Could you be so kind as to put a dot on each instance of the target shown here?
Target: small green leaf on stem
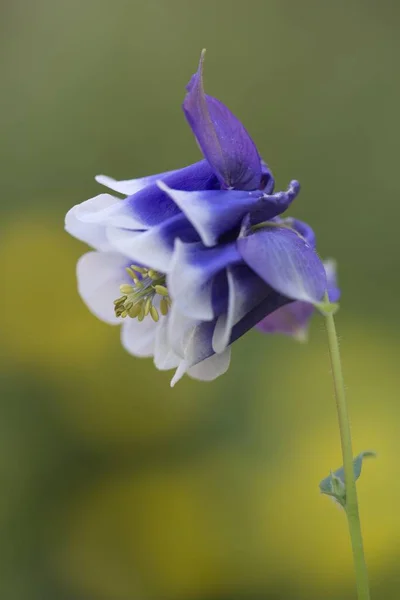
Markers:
(335, 485)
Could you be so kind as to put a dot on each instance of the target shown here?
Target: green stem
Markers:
(352, 512)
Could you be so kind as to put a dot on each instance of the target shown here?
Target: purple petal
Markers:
(267, 179)
(222, 138)
(333, 290)
(286, 262)
(302, 228)
(213, 212)
(273, 205)
(293, 319)
(192, 279)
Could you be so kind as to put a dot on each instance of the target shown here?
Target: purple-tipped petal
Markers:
(286, 262)
(222, 138)
(193, 279)
(151, 205)
(155, 246)
(213, 212)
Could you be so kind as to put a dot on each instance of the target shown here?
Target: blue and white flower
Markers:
(191, 259)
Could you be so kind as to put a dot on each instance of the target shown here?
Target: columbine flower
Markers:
(192, 259)
(293, 319)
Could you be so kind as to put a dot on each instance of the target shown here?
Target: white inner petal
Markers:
(138, 337)
(164, 356)
(99, 277)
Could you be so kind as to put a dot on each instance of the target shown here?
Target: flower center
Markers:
(137, 298)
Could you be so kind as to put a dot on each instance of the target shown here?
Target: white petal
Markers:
(179, 329)
(129, 186)
(107, 210)
(164, 356)
(99, 277)
(189, 286)
(138, 337)
(91, 233)
(179, 373)
(212, 367)
(144, 247)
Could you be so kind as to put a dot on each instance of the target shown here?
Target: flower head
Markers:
(191, 259)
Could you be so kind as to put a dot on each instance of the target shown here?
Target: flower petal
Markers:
(213, 212)
(99, 276)
(212, 367)
(272, 205)
(267, 179)
(286, 262)
(222, 138)
(164, 355)
(105, 210)
(138, 337)
(293, 319)
(151, 205)
(191, 276)
(179, 328)
(130, 186)
(154, 247)
(302, 228)
(330, 270)
(246, 291)
(196, 341)
(92, 234)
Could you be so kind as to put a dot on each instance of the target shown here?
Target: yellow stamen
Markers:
(154, 313)
(147, 305)
(164, 306)
(125, 288)
(161, 289)
(137, 298)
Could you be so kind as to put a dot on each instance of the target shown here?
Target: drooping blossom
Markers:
(191, 259)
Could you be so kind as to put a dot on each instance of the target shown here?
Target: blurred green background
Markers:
(114, 486)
